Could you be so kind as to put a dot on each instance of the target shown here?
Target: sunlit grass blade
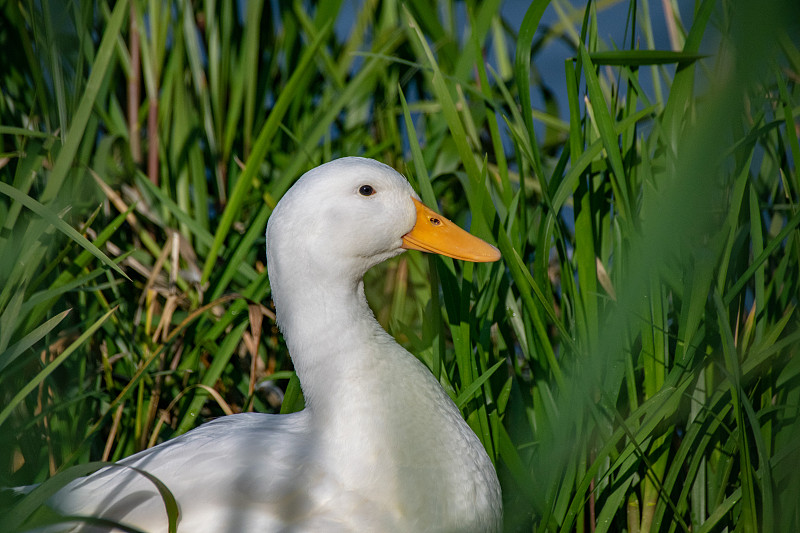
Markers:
(37, 497)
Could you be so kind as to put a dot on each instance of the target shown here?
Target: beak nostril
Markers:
(443, 237)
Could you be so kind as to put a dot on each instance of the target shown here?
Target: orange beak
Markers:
(434, 233)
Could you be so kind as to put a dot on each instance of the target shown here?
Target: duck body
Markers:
(379, 446)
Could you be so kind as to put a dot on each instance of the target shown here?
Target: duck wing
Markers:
(229, 474)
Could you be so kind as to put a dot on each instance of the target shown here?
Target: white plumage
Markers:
(379, 447)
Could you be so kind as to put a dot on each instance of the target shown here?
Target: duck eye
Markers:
(366, 190)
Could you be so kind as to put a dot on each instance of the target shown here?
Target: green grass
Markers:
(630, 365)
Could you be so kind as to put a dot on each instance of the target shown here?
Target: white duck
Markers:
(379, 447)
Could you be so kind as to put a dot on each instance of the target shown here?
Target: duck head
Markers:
(346, 216)
(343, 217)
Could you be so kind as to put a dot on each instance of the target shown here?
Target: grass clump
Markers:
(631, 364)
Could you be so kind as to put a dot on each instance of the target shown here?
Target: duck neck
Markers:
(331, 334)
